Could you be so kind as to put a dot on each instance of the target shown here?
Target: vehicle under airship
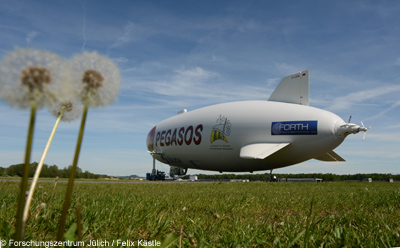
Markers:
(247, 136)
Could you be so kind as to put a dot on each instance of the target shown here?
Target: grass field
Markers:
(217, 214)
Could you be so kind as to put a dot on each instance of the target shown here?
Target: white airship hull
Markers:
(251, 135)
(245, 136)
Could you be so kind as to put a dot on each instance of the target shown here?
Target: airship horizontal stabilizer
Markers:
(260, 150)
(330, 156)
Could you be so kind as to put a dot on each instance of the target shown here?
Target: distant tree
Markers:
(78, 172)
(85, 174)
(15, 170)
(3, 172)
(32, 169)
(45, 171)
(53, 171)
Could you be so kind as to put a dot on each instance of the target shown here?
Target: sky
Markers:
(190, 54)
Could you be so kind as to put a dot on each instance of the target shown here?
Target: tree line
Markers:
(325, 177)
(47, 171)
(53, 171)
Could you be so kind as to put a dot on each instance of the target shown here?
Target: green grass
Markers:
(218, 214)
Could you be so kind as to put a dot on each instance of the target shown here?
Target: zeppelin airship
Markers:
(247, 136)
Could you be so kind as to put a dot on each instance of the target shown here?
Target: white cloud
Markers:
(132, 32)
(287, 68)
(273, 82)
(193, 76)
(121, 60)
(191, 86)
(389, 137)
(347, 101)
(194, 82)
(30, 36)
(217, 58)
(381, 113)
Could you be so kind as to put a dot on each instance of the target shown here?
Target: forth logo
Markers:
(294, 128)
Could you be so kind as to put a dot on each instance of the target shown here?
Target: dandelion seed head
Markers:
(71, 110)
(68, 106)
(31, 77)
(35, 77)
(95, 78)
(42, 205)
(92, 79)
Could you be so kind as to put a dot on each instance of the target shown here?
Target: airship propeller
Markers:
(365, 130)
(349, 128)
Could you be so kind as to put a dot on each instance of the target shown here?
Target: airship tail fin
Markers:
(293, 89)
(330, 157)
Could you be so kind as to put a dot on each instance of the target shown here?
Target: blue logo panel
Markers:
(294, 128)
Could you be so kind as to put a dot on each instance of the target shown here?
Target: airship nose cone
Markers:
(150, 140)
(340, 130)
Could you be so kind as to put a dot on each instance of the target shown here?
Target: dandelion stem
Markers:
(20, 226)
(39, 169)
(70, 186)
